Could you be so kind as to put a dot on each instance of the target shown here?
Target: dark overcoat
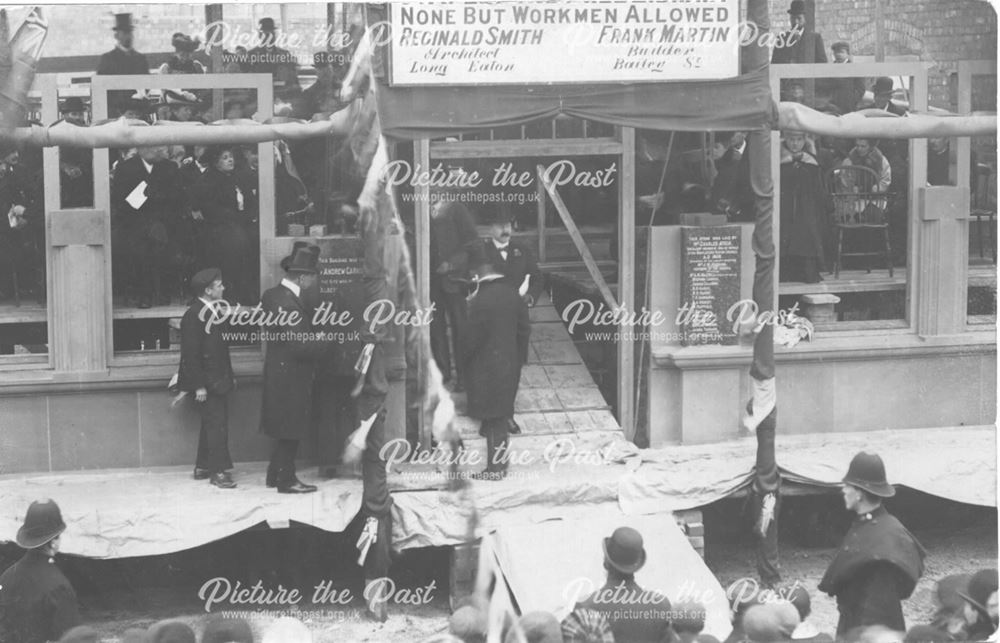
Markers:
(289, 367)
(805, 48)
(877, 566)
(648, 622)
(805, 206)
(37, 603)
(520, 262)
(205, 359)
(157, 229)
(495, 347)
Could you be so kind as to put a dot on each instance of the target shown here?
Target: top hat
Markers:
(203, 279)
(501, 216)
(72, 104)
(42, 523)
(867, 472)
(981, 585)
(123, 22)
(883, 85)
(624, 551)
(266, 24)
(303, 260)
(840, 45)
(183, 42)
(798, 8)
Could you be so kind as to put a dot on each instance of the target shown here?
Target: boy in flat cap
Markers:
(206, 371)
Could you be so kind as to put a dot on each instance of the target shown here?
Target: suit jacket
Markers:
(519, 263)
(495, 347)
(122, 63)
(650, 621)
(289, 366)
(806, 48)
(166, 198)
(733, 183)
(215, 195)
(205, 359)
(37, 603)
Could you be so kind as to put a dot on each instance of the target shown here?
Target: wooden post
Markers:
(626, 281)
(422, 210)
(879, 35)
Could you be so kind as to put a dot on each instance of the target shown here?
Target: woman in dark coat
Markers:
(229, 205)
(805, 208)
(495, 344)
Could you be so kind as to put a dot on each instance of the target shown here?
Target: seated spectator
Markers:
(981, 610)
(469, 624)
(805, 210)
(183, 62)
(227, 630)
(81, 634)
(287, 630)
(688, 621)
(635, 614)
(537, 627)
(926, 634)
(37, 603)
(171, 631)
(587, 626)
(950, 614)
(771, 622)
(805, 631)
(867, 154)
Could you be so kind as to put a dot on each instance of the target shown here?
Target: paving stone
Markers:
(568, 375)
(537, 399)
(580, 398)
(557, 353)
(534, 376)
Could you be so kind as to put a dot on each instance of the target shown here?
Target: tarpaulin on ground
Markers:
(553, 565)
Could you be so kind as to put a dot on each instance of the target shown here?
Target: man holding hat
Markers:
(37, 603)
(289, 367)
(511, 259)
(636, 614)
(76, 164)
(880, 561)
(799, 44)
(123, 60)
(495, 347)
(206, 371)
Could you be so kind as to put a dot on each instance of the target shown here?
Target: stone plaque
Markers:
(710, 283)
(341, 289)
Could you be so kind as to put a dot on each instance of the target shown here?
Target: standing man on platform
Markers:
(799, 44)
(123, 60)
(76, 164)
(37, 603)
(880, 561)
(847, 92)
(289, 368)
(206, 371)
(511, 259)
(495, 349)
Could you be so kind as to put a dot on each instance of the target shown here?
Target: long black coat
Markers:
(159, 227)
(205, 359)
(289, 368)
(878, 565)
(37, 603)
(495, 347)
(650, 622)
(520, 262)
(805, 206)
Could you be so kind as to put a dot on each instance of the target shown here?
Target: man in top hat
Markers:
(37, 603)
(206, 371)
(268, 58)
(635, 614)
(123, 60)
(76, 164)
(880, 561)
(512, 259)
(845, 93)
(800, 44)
(183, 62)
(495, 347)
(289, 367)
(980, 609)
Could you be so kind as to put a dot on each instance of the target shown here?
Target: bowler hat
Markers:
(72, 104)
(501, 216)
(266, 24)
(298, 245)
(183, 42)
(42, 523)
(867, 472)
(798, 8)
(203, 279)
(123, 22)
(304, 260)
(840, 45)
(624, 551)
(981, 585)
(883, 85)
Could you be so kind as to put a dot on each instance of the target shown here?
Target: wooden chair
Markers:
(857, 205)
(984, 206)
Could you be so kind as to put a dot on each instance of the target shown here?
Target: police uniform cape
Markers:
(882, 538)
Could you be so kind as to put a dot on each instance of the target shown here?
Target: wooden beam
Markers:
(530, 147)
(422, 225)
(626, 283)
(578, 241)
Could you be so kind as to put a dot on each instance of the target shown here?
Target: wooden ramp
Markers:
(557, 397)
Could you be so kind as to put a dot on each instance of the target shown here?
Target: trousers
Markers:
(496, 432)
(213, 440)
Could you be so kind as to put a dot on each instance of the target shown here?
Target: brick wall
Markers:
(941, 32)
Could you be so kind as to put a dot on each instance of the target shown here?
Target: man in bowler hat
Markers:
(123, 60)
(980, 608)
(76, 164)
(635, 614)
(289, 367)
(880, 561)
(512, 259)
(495, 348)
(206, 371)
(37, 603)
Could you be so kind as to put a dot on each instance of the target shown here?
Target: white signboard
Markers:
(496, 43)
